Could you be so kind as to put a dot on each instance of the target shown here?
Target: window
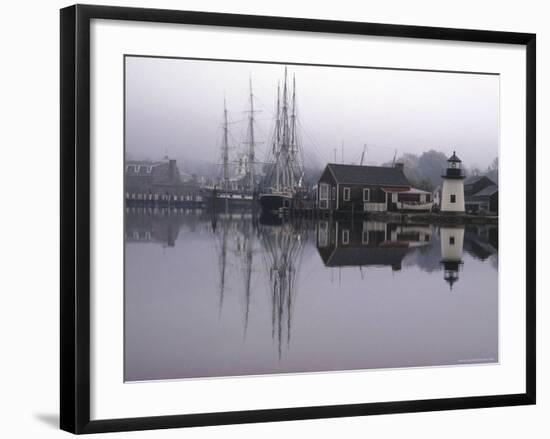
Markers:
(365, 234)
(323, 234)
(366, 194)
(334, 192)
(453, 198)
(345, 236)
(451, 240)
(347, 193)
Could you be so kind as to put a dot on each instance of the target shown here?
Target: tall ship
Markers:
(284, 184)
(238, 180)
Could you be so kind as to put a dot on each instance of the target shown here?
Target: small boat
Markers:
(415, 206)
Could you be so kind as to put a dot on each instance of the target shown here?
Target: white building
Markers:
(452, 191)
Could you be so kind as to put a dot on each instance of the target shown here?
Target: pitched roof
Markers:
(487, 191)
(453, 158)
(376, 175)
(368, 256)
(475, 178)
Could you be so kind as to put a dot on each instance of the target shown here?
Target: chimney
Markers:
(399, 165)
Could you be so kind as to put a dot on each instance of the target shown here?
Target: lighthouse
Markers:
(452, 192)
(452, 244)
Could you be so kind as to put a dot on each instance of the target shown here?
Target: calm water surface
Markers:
(238, 295)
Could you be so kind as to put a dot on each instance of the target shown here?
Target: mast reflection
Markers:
(283, 243)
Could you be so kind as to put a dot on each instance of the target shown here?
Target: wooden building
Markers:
(354, 189)
(476, 183)
(159, 183)
(481, 194)
(486, 200)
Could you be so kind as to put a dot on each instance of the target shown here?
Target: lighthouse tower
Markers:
(452, 244)
(452, 192)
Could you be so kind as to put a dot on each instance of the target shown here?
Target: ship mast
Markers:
(225, 149)
(251, 144)
(287, 178)
(293, 119)
(277, 142)
(287, 168)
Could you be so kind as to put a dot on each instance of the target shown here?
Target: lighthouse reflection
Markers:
(239, 294)
(452, 245)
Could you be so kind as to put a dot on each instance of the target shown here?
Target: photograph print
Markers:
(295, 218)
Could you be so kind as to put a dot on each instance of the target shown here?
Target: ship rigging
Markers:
(283, 182)
(285, 179)
(236, 190)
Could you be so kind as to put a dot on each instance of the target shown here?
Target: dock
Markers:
(313, 212)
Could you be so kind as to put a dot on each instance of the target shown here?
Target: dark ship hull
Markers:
(232, 199)
(274, 202)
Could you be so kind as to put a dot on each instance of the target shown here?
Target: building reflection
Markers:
(481, 241)
(368, 243)
(160, 225)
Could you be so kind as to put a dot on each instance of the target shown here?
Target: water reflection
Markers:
(368, 243)
(236, 281)
(452, 245)
(283, 249)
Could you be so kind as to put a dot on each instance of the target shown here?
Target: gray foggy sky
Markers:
(175, 107)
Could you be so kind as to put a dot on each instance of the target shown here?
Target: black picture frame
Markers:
(75, 217)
